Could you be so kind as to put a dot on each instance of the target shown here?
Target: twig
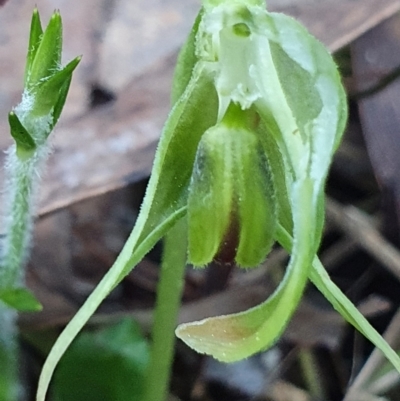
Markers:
(337, 252)
(358, 226)
(374, 362)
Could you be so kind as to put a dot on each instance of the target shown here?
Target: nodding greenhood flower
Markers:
(231, 202)
(258, 112)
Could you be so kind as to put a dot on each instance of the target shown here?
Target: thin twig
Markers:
(362, 382)
(337, 252)
(359, 227)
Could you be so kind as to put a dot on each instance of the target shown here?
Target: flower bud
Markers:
(231, 205)
(46, 81)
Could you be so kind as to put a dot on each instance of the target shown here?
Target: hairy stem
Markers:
(20, 190)
(10, 389)
(22, 179)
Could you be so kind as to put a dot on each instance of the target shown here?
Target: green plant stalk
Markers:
(21, 185)
(165, 318)
(10, 389)
(309, 369)
(22, 179)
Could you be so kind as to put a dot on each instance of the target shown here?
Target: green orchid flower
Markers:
(269, 66)
(258, 112)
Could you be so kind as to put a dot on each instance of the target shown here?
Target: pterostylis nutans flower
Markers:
(258, 112)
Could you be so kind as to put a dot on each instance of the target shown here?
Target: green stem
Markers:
(22, 176)
(9, 383)
(309, 368)
(167, 306)
(21, 183)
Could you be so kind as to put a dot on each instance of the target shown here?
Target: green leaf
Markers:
(163, 205)
(107, 364)
(47, 56)
(51, 93)
(24, 141)
(35, 37)
(20, 299)
(59, 104)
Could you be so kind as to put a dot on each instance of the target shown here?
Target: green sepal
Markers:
(306, 134)
(24, 141)
(211, 213)
(277, 166)
(256, 204)
(185, 63)
(237, 336)
(231, 203)
(305, 103)
(192, 115)
(35, 36)
(47, 57)
(20, 299)
(52, 92)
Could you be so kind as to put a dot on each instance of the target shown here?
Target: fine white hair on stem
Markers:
(19, 199)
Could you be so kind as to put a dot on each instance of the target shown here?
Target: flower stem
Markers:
(167, 306)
